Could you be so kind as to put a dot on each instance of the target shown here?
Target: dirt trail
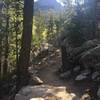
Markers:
(49, 76)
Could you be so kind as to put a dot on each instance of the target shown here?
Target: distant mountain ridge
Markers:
(47, 4)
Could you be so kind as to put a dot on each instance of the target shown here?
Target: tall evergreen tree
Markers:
(24, 57)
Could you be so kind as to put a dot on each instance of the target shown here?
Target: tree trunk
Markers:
(5, 65)
(24, 58)
(66, 65)
(64, 58)
(0, 55)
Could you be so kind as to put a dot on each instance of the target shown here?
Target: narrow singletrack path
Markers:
(49, 76)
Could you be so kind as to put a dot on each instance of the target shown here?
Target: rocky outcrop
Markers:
(86, 56)
(91, 58)
(86, 61)
(74, 53)
(98, 93)
(34, 80)
(45, 92)
(83, 75)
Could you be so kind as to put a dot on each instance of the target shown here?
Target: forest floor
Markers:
(48, 73)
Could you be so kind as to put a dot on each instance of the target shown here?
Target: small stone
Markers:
(98, 93)
(76, 69)
(36, 99)
(65, 74)
(83, 75)
(80, 77)
(35, 81)
(86, 97)
(74, 96)
(95, 75)
(86, 72)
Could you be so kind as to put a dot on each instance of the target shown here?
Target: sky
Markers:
(35, 0)
(59, 1)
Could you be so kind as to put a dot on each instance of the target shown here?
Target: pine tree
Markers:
(24, 56)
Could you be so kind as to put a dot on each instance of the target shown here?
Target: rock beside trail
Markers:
(83, 75)
(91, 58)
(45, 92)
(86, 97)
(87, 55)
(34, 80)
(80, 77)
(65, 74)
(98, 93)
(74, 53)
(76, 69)
(96, 75)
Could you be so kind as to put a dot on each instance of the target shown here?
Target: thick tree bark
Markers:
(0, 55)
(24, 58)
(64, 58)
(17, 31)
(5, 64)
(66, 65)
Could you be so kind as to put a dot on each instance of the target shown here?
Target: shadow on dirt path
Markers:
(49, 76)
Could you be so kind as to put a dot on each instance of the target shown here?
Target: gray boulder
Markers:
(77, 69)
(91, 58)
(95, 75)
(90, 44)
(44, 92)
(34, 80)
(98, 93)
(80, 77)
(65, 74)
(74, 53)
(83, 75)
(86, 97)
